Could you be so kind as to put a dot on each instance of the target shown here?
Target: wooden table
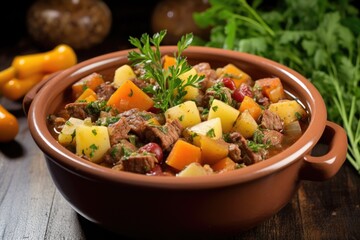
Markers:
(32, 208)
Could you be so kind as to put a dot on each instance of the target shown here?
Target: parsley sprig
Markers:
(318, 38)
(170, 89)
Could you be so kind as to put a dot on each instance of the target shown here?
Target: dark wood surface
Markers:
(32, 208)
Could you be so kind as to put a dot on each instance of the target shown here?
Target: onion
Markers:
(293, 129)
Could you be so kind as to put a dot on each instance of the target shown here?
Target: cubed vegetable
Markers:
(271, 88)
(236, 74)
(193, 170)
(224, 165)
(168, 61)
(211, 128)
(225, 112)
(67, 134)
(212, 150)
(245, 124)
(92, 142)
(192, 92)
(91, 81)
(182, 154)
(187, 113)
(87, 96)
(249, 104)
(122, 74)
(129, 96)
(288, 110)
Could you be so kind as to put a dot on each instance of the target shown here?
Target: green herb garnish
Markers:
(94, 132)
(170, 89)
(93, 148)
(210, 133)
(318, 38)
(96, 107)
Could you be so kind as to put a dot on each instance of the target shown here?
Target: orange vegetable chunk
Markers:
(129, 96)
(271, 88)
(249, 104)
(236, 74)
(168, 61)
(88, 95)
(224, 164)
(182, 154)
(91, 81)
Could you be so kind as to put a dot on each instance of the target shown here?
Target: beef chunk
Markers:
(261, 99)
(234, 152)
(272, 137)
(104, 91)
(271, 121)
(118, 131)
(84, 110)
(140, 83)
(208, 73)
(251, 156)
(137, 120)
(77, 110)
(248, 155)
(139, 163)
(217, 92)
(165, 135)
(118, 151)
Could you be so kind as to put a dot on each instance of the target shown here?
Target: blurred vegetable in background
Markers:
(9, 126)
(318, 38)
(23, 74)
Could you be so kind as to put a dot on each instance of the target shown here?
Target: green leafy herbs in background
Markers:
(318, 38)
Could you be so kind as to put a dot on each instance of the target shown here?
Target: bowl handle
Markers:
(328, 155)
(29, 97)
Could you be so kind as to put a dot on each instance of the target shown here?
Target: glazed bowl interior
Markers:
(56, 91)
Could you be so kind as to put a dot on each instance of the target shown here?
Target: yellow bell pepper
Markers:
(24, 66)
(9, 126)
(15, 89)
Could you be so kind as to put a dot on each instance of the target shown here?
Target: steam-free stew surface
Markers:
(224, 120)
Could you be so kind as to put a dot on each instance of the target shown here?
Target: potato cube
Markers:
(122, 74)
(192, 92)
(245, 124)
(225, 112)
(212, 150)
(67, 134)
(194, 169)
(187, 113)
(92, 142)
(211, 128)
(288, 110)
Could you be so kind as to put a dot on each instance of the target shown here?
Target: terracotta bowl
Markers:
(223, 204)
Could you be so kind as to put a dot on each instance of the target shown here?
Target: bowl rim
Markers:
(64, 158)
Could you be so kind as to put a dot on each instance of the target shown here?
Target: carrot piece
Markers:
(249, 104)
(182, 154)
(236, 74)
(129, 96)
(224, 164)
(88, 95)
(271, 88)
(15, 88)
(91, 81)
(168, 61)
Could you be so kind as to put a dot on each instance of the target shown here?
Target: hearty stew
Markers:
(161, 116)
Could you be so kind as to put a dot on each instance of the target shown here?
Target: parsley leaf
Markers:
(170, 89)
(318, 38)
